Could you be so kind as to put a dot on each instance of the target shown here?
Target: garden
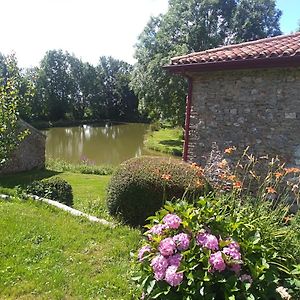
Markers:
(179, 231)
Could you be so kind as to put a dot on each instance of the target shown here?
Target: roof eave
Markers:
(272, 62)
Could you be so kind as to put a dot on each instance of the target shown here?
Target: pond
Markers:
(98, 144)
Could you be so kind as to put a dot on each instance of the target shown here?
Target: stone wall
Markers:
(257, 108)
(29, 155)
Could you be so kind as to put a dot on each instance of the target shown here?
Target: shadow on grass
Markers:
(173, 143)
(24, 178)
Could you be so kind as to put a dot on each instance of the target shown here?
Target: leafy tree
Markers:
(254, 19)
(188, 26)
(10, 98)
(115, 99)
(56, 83)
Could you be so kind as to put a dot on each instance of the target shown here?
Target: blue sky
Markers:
(290, 14)
(88, 28)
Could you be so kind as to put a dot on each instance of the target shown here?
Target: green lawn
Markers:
(49, 254)
(167, 140)
(88, 190)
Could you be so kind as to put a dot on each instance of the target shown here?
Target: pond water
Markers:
(98, 144)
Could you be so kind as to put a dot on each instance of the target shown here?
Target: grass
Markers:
(167, 140)
(89, 190)
(48, 254)
(83, 167)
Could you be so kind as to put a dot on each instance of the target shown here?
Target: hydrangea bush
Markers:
(213, 250)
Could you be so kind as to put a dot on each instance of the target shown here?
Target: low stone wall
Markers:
(257, 108)
(29, 155)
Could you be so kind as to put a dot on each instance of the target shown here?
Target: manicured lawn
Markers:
(48, 254)
(88, 190)
(167, 140)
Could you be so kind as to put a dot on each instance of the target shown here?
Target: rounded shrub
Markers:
(141, 186)
(54, 188)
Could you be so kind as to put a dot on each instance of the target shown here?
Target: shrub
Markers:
(54, 188)
(218, 249)
(140, 186)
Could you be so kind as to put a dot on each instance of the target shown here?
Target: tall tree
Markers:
(10, 98)
(188, 26)
(116, 100)
(55, 81)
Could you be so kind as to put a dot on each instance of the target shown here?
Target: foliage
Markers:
(53, 255)
(219, 248)
(140, 186)
(190, 26)
(67, 88)
(10, 98)
(84, 167)
(117, 100)
(265, 178)
(89, 191)
(167, 140)
(54, 188)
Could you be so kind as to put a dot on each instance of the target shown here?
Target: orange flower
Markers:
(231, 177)
(270, 190)
(166, 176)
(278, 175)
(223, 164)
(194, 165)
(237, 185)
(287, 219)
(229, 150)
(199, 183)
(292, 170)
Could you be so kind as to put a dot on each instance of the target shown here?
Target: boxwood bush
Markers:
(54, 188)
(141, 186)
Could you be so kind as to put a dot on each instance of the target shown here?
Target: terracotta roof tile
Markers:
(279, 46)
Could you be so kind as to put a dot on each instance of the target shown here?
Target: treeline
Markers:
(65, 88)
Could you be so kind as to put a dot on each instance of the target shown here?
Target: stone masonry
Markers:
(258, 108)
(29, 155)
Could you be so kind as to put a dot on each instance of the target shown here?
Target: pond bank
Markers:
(166, 140)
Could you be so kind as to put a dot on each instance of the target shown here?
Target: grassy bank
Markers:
(48, 254)
(167, 140)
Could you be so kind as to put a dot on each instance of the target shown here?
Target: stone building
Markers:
(29, 155)
(243, 95)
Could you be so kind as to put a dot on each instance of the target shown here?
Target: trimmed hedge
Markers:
(54, 188)
(140, 187)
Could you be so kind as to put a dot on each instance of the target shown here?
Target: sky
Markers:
(88, 28)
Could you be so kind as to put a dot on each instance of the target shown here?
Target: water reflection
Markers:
(109, 144)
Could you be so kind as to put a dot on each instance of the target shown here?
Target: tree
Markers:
(10, 97)
(188, 26)
(115, 99)
(56, 83)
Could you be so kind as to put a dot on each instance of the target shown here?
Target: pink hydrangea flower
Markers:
(159, 266)
(182, 241)
(172, 277)
(217, 262)
(207, 240)
(232, 252)
(174, 260)
(246, 277)
(236, 268)
(142, 251)
(167, 247)
(234, 244)
(172, 221)
(157, 229)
